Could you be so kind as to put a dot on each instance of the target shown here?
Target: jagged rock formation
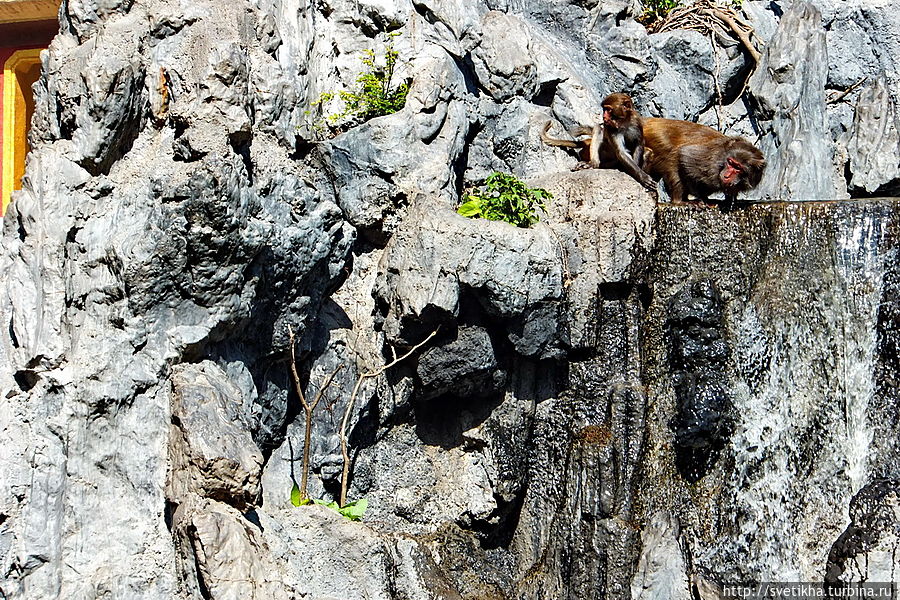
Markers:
(628, 400)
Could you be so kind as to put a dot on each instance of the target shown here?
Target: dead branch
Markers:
(742, 34)
(345, 476)
(846, 92)
(707, 16)
(308, 408)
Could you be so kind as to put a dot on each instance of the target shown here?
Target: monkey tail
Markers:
(581, 130)
(554, 141)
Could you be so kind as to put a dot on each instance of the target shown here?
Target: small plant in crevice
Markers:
(655, 10)
(504, 197)
(352, 510)
(375, 94)
(308, 408)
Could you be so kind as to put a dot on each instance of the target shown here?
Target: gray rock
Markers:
(602, 223)
(503, 62)
(446, 257)
(464, 366)
(788, 88)
(686, 74)
(213, 454)
(178, 212)
(661, 572)
(227, 554)
(376, 172)
(323, 555)
(866, 550)
(874, 142)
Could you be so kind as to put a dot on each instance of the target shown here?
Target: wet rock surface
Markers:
(699, 353)
(866, 550)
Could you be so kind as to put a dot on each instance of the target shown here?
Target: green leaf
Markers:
(354, 510)
(296, 496)
(505, 198)
(470, 209)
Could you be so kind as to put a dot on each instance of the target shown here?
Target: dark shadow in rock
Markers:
(442, 421)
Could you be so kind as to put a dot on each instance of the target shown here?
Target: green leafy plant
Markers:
(506, 198)
(375, 95)
(654, 10)
(352, 510)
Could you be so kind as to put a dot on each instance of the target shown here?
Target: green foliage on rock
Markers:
(352, 510)
(374, 94)
(297, 498)
(655, 10)
(505, 198)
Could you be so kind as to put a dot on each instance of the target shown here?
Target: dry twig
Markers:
(846, 92)
(345, 476)
(308, 408)
(708, 17)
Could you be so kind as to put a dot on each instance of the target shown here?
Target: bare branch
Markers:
(325, 386)
(308, 411)
(741, 34)
(846, 92)
(297, 385)
(347, 411)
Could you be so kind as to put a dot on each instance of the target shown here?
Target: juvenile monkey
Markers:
(618, 143)
(696, 159)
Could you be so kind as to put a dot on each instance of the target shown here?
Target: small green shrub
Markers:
(374, 96)
(655, 10)
(352, 510)
(505, 198)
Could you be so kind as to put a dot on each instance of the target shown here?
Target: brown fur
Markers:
(698, 160)
(583, 146)
(618, 143)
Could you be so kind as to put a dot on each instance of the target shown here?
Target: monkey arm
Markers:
(638, 155)
(596, 141)
(629, 164)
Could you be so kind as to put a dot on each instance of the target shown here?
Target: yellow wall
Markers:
(17, 11)
(20, 71)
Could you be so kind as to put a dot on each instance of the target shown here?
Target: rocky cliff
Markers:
(628, 400)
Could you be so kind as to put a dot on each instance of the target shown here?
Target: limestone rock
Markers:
(875, 141)
(213, 454)
(789, 89)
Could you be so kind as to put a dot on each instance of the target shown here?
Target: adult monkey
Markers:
(696, 159)
(619, 142)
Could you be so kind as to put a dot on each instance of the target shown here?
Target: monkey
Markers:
(623, 139)
(698, 160)
(618, 142)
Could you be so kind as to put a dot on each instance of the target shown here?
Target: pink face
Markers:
(732, 172)
(614, 118)
(608, 118)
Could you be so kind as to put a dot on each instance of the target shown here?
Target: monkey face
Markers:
(617, 110)
(732, 172)
(615, 116)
